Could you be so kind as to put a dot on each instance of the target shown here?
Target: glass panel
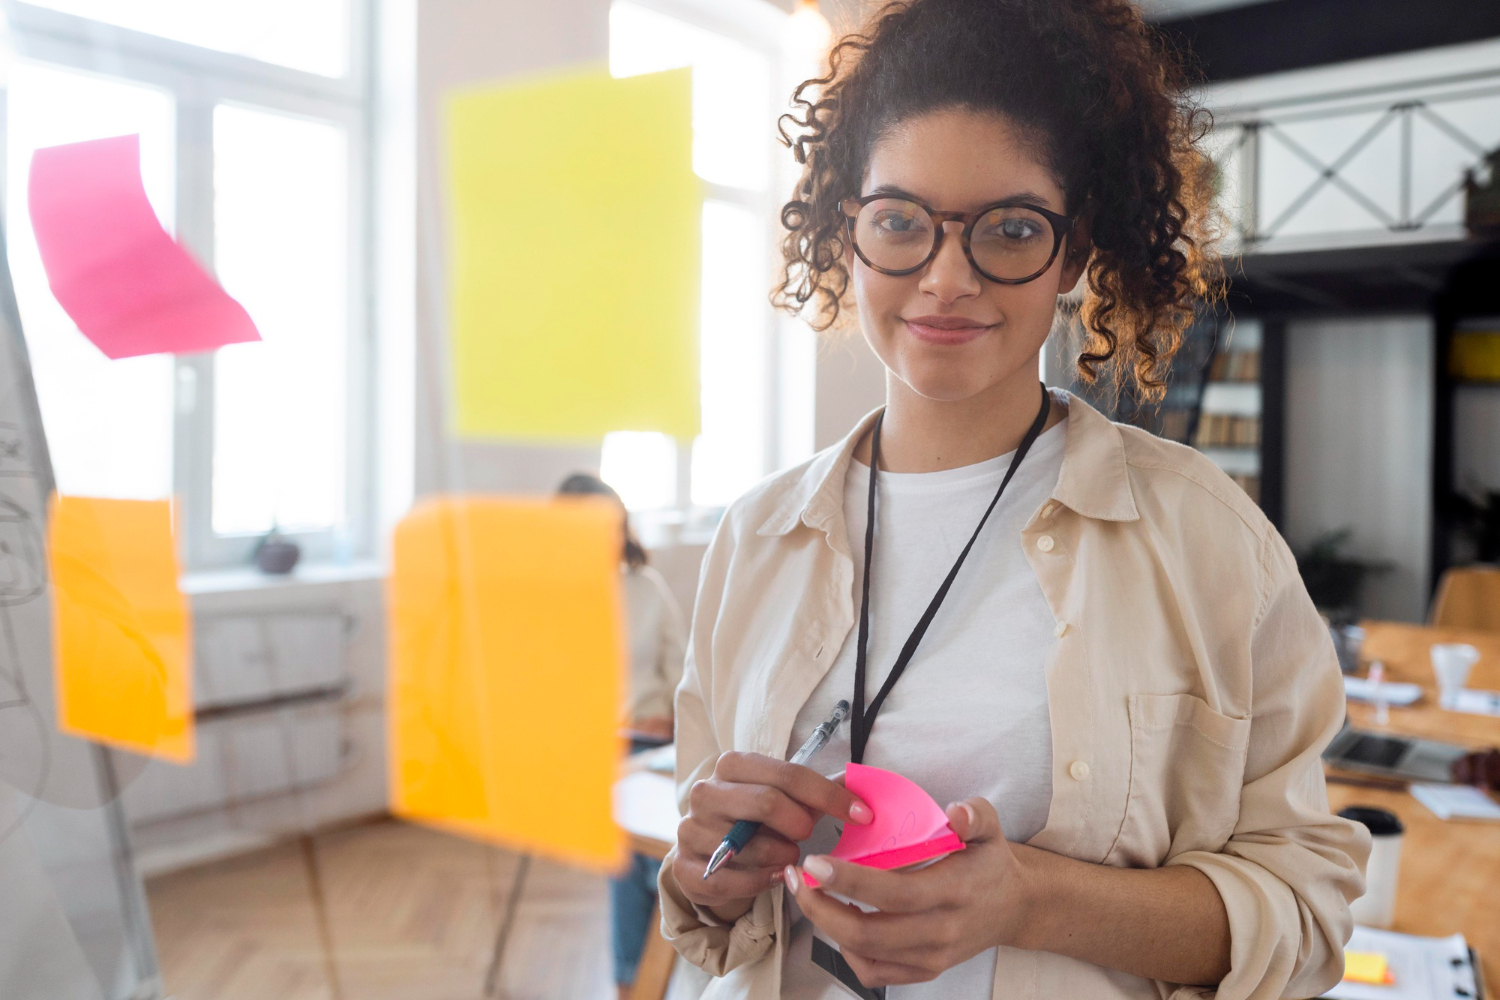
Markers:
(732, 119)
(311, 35)
(108, 423)
(281, 248)
(642, 468)
(729, 456)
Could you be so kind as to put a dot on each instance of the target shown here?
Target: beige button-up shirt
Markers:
(1192, 688)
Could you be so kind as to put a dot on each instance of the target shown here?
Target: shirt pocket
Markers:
(1187, 766)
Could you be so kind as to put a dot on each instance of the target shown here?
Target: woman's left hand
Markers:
(929, 920)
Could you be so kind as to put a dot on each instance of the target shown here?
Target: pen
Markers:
(739, 835)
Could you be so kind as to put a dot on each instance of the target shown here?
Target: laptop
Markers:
(1389, 756)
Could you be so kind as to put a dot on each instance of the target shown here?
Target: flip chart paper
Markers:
(121, 626)
(506, 667)
(126, 283)
(575, 228)
(909, 827)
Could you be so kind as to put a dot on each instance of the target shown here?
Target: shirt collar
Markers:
(1093, 481)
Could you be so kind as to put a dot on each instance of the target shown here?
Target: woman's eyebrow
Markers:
(1019, 198)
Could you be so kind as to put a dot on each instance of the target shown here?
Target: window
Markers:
(252, 124)
(756, 370)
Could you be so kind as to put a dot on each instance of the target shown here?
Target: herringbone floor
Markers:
(412, 914)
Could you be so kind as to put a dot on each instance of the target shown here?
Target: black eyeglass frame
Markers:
(1062, 225)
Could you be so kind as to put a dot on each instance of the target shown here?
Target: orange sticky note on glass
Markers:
(505, 673)
(121, 627)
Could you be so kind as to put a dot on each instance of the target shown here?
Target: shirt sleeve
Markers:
(712, 944)
(1291, 868)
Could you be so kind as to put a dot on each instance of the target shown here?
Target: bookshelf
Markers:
(1231, 406)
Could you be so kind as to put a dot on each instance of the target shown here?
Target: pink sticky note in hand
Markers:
(127, 284)
(909, 827)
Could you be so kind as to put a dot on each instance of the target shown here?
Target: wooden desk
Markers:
(1450, 872)
(646, 809)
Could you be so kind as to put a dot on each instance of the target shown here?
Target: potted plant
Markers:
(1334, 580)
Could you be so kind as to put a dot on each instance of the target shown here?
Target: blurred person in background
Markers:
(657, 635)
(1116, 677)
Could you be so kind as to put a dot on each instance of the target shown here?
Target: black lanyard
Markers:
(863, 719)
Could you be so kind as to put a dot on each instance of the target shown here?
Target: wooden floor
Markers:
(412, 914)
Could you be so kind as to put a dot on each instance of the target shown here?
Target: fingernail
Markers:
(793, 880)
(777, 876)
(969, 812)
(819, 868)
(861, 813)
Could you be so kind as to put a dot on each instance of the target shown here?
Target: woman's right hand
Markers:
(786, 799)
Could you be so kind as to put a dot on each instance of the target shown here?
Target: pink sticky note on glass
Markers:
(909, 827)
(127, 284)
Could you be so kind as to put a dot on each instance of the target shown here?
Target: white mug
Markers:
(1451, 662)
(1377, 907)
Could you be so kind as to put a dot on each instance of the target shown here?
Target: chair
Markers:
(1468, 597)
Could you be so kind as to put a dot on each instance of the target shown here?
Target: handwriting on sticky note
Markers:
(116, 272)
(909, 827)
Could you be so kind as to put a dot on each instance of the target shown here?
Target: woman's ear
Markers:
(1078, 245)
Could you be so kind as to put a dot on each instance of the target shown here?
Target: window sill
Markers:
(243, 578)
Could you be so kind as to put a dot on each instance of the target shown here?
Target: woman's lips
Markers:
(947, 331)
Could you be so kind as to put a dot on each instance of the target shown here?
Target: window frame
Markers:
(198, 80)
(758, 25)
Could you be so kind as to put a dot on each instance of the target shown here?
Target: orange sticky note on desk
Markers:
(121, 627)
(505, 673)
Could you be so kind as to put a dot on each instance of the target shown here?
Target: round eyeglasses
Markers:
(1006, 242)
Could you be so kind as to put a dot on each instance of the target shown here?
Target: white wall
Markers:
(1359, 448)
(1476, 438)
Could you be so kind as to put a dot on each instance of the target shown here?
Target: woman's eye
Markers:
(895, 222)
(1017, 229)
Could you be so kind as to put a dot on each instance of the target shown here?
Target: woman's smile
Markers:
(947, 331)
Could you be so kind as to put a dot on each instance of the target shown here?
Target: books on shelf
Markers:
(1236, 366)
(1227, 430)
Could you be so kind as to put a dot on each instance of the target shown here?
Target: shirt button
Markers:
(1061, 629)
(1050, 509)
(1079, 770)
(1045, 543)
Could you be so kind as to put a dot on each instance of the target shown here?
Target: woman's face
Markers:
(947, 332)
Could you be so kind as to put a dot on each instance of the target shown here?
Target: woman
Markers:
(1122, 686)
(657, 635)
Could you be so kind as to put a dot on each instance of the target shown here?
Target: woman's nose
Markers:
(949, 276)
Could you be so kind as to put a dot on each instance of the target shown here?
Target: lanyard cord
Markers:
(863, 719)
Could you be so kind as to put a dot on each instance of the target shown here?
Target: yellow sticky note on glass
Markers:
(505, 673)
(121, 627)
(1368, 967)
(575, 230)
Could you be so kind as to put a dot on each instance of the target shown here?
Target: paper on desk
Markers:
(1456, 801)
(1395, 693)
(1477, 702)
(597, 172)
(121, 627)
(116, 272)
(505, 671)
(909, 827)
(1422, 968)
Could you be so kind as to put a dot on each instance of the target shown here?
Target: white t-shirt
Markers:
(969, 715)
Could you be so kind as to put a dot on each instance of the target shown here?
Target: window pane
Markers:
(642, 468)
(732, 126)
(729, 456)
(311, 35)
(108, 423)
(281, 248)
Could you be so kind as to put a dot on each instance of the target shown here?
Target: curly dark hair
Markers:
(1103, 98)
